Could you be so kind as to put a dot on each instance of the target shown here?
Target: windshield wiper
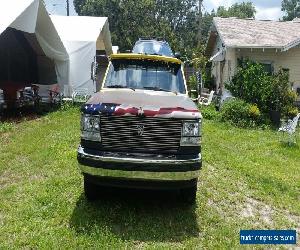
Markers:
(116, 86)
(156, 89)
(159, 89)
(119, 87)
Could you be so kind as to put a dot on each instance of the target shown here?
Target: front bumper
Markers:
(138, 166)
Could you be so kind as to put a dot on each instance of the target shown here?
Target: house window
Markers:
(268, 67)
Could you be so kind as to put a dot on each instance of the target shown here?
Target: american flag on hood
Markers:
(131, 110)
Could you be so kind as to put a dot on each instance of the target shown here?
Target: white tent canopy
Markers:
(31, 17)
(69, 44)
(82, 36)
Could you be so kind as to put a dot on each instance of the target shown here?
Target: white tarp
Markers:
(31, 16)
(71, 42)
(82, 36)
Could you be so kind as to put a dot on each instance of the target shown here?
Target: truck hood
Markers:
(121, 102)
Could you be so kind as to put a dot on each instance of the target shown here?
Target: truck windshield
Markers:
(145, 74)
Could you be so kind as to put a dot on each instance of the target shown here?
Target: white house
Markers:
(272, 43)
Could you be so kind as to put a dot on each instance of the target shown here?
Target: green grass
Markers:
(249, 180)
(6, 126)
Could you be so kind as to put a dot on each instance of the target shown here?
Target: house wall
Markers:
(289, 60)
(216, 66)
(230, 64)
(224, 71)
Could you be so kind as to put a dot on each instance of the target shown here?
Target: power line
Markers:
(54, 4)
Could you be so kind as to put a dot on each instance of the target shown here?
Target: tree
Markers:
(207, 20)
(175, 20)
(291, 8)
(240, 10)
(78, 4)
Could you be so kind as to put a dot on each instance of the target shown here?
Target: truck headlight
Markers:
(191, 133)
(90, 127)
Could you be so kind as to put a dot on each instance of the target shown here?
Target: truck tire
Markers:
(90, 189)
(188, 195)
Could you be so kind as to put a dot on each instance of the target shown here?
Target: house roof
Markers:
(250, 33)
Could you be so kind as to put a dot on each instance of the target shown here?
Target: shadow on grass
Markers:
(138, 215)
(286, 144)
(16, 115)
(26, 113)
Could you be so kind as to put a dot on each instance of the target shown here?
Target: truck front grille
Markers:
(123, 133)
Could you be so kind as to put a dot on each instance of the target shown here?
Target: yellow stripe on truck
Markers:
(145, 57)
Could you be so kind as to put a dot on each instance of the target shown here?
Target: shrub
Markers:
(209, 112)
(251, 83)
(291, 112)
(192, 85)
(192, 82)
(281, 96)
(254, 111)
(269, 92)
(240, 113)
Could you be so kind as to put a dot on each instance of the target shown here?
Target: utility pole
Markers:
(200, 21)
(296, 10)
(68, 8)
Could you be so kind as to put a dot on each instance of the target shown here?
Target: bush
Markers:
(209, 112)
(251, 83)
(254, 112)
(291, 112)
(192, 82)
(270, 92)
(281, 96)
(192, 85)
(240, 113)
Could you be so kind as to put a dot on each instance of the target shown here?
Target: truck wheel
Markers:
(188, 195)
(90, 189)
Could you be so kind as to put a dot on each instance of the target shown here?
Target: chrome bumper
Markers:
(140, 174)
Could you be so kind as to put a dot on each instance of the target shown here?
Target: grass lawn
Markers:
(249, 181)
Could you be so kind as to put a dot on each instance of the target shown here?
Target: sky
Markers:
(59, 7)
(266, 9)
